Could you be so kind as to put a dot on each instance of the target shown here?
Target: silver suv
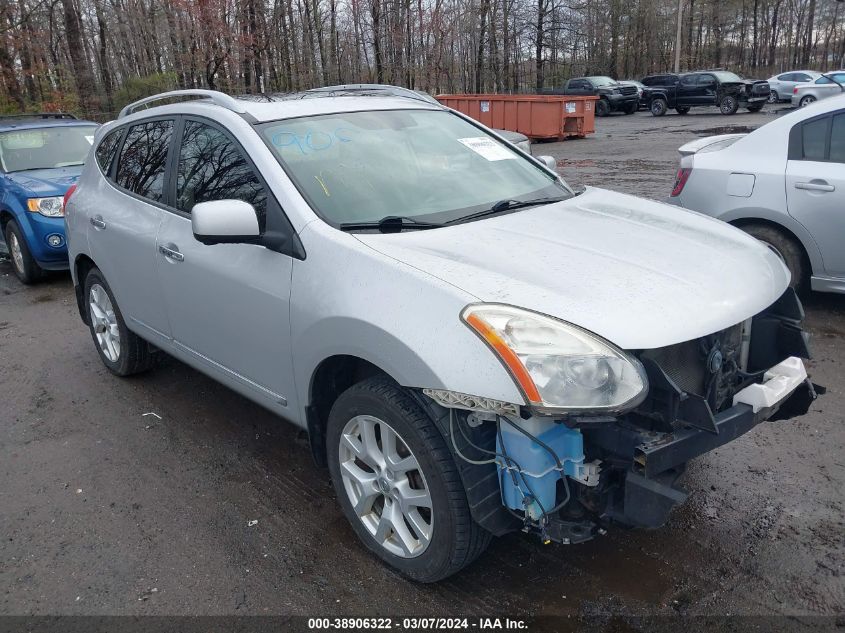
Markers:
(473, 347)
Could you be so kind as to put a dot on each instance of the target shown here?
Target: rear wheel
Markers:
(123, 352)
(658, 107)
(805, 101)
(729, 105)
(23, 263)
(790, 252)
(682, 110)
(397, 482)
(602, 107)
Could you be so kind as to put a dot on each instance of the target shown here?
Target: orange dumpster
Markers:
(554, 117)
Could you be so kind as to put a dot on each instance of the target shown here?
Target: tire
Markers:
(774, 97)
(631, 109)
(658, 107)
(23, 263)
(729, 104)
(785, 247)
(454, 539)
(602, 107)
(129, 353)
(755, 108)
(805, 101)
(682, 110)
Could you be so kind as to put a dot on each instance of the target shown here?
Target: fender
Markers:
(399, 318)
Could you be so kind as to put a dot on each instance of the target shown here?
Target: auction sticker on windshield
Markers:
(487, 148)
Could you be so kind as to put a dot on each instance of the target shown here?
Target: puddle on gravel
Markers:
(724, 129)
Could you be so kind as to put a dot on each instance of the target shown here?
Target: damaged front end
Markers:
(567, 477)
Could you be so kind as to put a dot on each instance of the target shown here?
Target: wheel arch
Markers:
(331, 377)
(796, 236)
(81, 265)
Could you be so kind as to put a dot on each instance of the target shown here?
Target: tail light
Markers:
(795, 90)
(68, 194)
(680, 180)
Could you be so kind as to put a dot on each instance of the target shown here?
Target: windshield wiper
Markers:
(505, 205)
(391, 224)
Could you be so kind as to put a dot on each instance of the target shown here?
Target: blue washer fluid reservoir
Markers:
(537, 479)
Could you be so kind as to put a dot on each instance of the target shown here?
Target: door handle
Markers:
(98, 223)
(815, 186)
(170, 253)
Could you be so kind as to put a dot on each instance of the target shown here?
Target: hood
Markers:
(46, 182)
(639, 273)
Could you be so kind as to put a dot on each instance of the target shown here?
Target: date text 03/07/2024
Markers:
(417, 624)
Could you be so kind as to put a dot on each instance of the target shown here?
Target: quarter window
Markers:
(837, 139)
(143, 159)
(212, 167)
(107, 149)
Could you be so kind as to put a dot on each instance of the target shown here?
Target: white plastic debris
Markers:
(251, 523)
(780, 381)
(156, 415)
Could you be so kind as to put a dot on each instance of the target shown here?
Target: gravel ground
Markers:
(106, 510)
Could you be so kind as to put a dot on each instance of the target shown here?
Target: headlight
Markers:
(51, 207)
(558, 366)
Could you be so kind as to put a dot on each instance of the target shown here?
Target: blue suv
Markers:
(41, 157)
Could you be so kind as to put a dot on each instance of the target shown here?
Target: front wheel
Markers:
(682, 110)
(397, 482)
(631, 109)
(773, 97)
(26, 268)
(658, 107)
(123, 352)
(755, 108)
(729, 105)
(805, 101)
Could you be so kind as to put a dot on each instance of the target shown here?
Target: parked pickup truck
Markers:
(613, 96)
(719, 88)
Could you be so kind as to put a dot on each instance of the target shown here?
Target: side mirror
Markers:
(225, 222)
(548, 161)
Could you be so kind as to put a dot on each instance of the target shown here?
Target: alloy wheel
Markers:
(15, 249)
(806, 101)
(104, 322)
(386, 486)
(773, 97)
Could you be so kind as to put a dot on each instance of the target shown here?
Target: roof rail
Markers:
(217, 98)
(393, 91)
(38, 115)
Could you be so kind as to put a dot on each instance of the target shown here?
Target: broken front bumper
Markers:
(655, 455)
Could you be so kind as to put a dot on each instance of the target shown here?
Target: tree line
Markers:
(93, 56)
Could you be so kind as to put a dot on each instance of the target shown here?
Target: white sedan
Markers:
(828, 85)
(783, 183)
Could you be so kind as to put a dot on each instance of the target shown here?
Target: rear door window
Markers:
(814, 139)
(142, 163)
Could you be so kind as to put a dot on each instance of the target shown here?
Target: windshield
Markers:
(726, 76)
(426, 165)
(602, 81)
(45, 147)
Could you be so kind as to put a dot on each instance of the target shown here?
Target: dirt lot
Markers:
(106, 510)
